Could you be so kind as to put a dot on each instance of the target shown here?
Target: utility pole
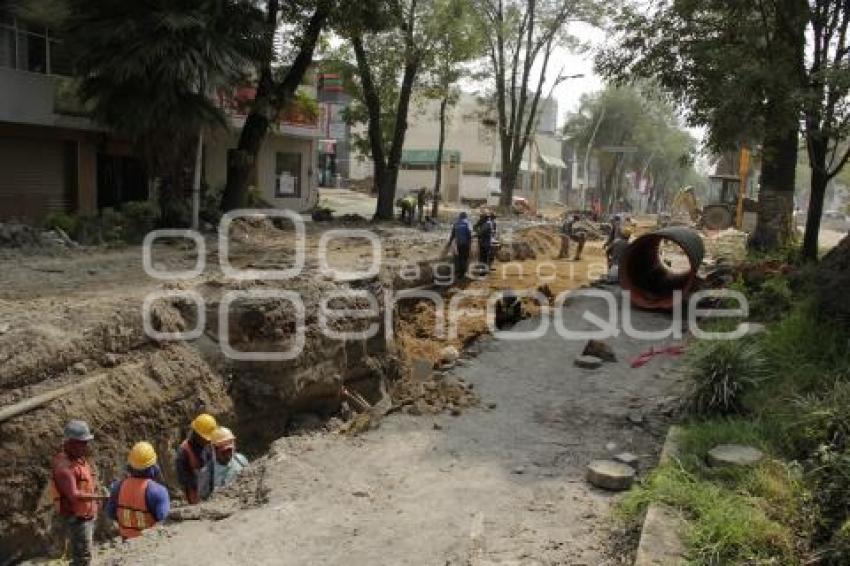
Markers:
(587, 158)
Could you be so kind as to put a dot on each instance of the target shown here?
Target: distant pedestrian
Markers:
(421, 200)
(571, 232)
(462, 238)
(484, 230)
(408, 208)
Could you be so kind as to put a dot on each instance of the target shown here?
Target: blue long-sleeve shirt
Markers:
(156, 495)
(461, 232)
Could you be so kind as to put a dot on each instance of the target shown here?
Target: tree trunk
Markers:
(819, 183)
(438, 177)
(776, 196)
(386, 193)
(269, 99)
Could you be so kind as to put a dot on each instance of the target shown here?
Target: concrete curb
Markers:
(661, 536)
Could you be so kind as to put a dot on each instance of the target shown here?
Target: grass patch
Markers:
(725, 526)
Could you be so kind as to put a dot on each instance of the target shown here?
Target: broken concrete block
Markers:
(635, 418)
(588, 362)
(628, 459)
(449, 355)
(599, 349)
(611, 475)
(79, 368)
(734, 455)
(422, 369)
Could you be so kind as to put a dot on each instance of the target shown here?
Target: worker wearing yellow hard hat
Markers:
(139, 501)
(194, 454)
(227, 463)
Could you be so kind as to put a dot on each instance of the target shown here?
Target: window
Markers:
(287, 182)
(30, 47)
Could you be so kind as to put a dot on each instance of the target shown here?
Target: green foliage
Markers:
(139, 218)
(839, 547)
(62, 220)
(148, 67)
(772, 300)
(641, 118)
(211, 204)
(722, 372)
(727, 526)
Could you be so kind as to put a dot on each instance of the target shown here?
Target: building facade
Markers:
(285, 174)
(471, 166)
(52, 157)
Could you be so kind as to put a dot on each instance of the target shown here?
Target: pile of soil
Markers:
(434, 396)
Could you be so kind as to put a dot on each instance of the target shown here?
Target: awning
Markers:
(549, 149)
(553, 161)
(428, 156)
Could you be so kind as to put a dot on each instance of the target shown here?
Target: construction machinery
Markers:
(727, 203)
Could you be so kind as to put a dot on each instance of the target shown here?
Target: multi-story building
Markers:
(53, 157)
(471, 165)
(285, 174)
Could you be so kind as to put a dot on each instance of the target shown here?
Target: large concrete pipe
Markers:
(651, 281)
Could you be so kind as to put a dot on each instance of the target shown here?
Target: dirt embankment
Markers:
(86, 336)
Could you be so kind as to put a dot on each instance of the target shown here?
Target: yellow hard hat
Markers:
(222, 435)
(204, 425)
(142, 456)
(626, 231)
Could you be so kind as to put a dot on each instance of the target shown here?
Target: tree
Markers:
(663, 153)
(276, 87)
(825, 107)
(521, 38)
(457, 41)
(737, 66)
(147, 68)
(389, 40)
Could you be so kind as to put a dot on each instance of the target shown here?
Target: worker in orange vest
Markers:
(138, 502)
(73, 488)
(193, 454)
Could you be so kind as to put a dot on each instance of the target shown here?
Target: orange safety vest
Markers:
(133, 514)
(85, 482)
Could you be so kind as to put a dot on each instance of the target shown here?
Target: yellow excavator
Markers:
(727, 202)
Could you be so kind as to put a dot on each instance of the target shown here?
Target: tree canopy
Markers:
(664, 153)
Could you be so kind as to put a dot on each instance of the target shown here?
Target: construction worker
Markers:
(462, 238)
(484, 230)
(73, 488)
(227, 463)
(408, 207)
(193, 454)
(615, 251)
(571, 232)
(614, 233)
(509, 310)
(421, 199)
(138, 502)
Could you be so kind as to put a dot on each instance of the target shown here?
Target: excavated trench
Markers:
(129, 387)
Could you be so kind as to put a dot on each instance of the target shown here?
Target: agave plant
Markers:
(722, 371)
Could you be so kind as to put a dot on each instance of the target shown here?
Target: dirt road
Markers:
(500, 484)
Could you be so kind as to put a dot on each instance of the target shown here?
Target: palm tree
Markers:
(148, 69)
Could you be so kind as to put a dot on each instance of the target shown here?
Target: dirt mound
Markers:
(832, 279)
(433, 396)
